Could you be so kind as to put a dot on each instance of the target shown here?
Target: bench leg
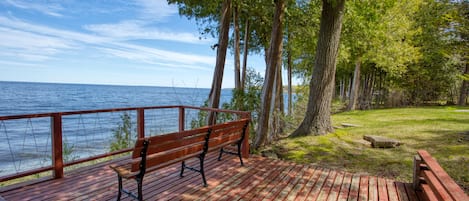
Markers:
(239, 153)
(232, 153)
(119, 192)
(221, 153)
(202, 172)
(139, 185)
(183, 166)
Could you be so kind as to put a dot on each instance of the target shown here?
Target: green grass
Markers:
(442, 131)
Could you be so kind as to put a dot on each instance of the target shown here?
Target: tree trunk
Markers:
(290, 91)
(342, 89)
(236, 42)
(274, 52)
(355, 86)
(367, 91)
(317, 120)
(214, 96)
(464, 88)
(279, 104)
(272, 129)
(245, 56)
(380, 97)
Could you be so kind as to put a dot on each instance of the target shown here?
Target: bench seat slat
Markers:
(124, 171)
(439, 191)
(449, 184)
(428, 193)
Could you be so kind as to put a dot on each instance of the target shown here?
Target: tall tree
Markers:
(360, 35)
(462, 44)
(215, 92)
(236, 43)
(208, 15)
(377, 37)
(317, 118)
(273, 55)
(433, 75)
(464, 86)
(245, 53)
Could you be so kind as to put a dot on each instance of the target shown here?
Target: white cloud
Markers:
(44, 7)
(47, 31)
(20, 64)
(135, 29)
(156, 10)
(157, 56)
(30, 46)
(37, 42)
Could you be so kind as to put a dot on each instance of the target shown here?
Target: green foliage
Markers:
(202, 118)
(206, 14)
(249, 99)
(434, 75)
(123, 134)
(302, 27)
(67, 152)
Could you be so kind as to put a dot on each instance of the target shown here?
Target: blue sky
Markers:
(123, 42)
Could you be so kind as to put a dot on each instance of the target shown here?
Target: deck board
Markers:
(260, 179)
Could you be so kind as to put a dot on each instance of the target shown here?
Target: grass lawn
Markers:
(442, 131)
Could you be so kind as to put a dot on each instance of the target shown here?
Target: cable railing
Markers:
(47, 143)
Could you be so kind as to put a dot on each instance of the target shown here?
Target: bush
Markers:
(123, 134)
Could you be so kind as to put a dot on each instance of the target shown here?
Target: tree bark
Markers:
(279, 104)
(366, 97)
(355, 86)
(317, 120)
(215, 92)
(342, 89)
(236, 42)
(272, 129)
(274, 52)
(245, 56)
(464, 88)
(289, 74)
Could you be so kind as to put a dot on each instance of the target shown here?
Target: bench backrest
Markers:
(433, 182)
(164, 150)
(227, 133)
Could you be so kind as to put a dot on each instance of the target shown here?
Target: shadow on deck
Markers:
(260, 179)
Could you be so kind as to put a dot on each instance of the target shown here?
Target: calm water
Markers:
(29, 98)
(25, 143)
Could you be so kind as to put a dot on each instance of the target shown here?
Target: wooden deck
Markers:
(259, 179)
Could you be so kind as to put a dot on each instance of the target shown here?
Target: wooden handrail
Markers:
(56, 134)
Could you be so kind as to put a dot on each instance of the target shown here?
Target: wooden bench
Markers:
(232, 133)
(152, 153)
(431, 182)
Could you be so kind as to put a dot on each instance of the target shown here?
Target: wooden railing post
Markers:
(182, 116)
(141, 123)
(57, 157)
(417, 169)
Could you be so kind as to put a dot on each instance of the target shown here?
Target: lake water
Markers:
(29, 98)
(25, 144)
